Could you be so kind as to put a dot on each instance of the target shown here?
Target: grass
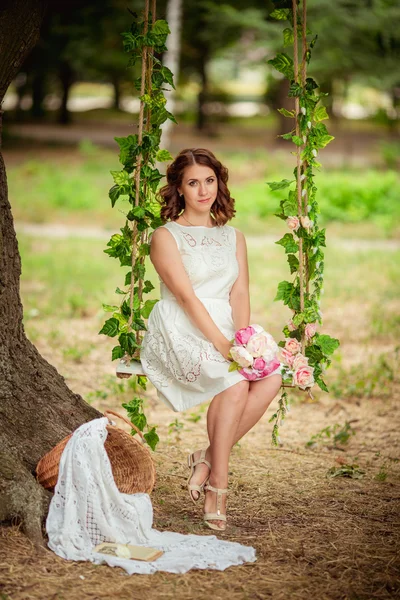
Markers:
(74, 189)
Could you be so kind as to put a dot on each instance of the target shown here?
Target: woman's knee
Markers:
(239, 392)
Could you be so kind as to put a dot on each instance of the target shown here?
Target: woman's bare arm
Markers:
(240, 296)
(167, 261)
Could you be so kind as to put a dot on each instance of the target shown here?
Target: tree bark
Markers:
(67, 79)
(37, 409)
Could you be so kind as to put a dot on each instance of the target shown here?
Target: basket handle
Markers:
(131, 425)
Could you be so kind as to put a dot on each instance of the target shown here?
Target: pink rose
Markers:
(299, 361)
(275, 364)
(287, 357)
(292, 345)
(243, 335)
(310, 330)
(306, 222)
(257, 344)
(293, 223)
(304, 377)
(241, 356)
(259, 364)
(291, 326)
(249, 374)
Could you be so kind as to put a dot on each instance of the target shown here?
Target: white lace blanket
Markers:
(87, 509)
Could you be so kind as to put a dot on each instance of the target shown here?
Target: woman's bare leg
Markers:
(260, 395)
(223, 418)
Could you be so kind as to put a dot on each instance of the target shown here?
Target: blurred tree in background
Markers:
(358, 42)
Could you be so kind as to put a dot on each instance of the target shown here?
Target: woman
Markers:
(202, 265)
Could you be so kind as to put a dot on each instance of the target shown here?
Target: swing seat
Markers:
(134, 367)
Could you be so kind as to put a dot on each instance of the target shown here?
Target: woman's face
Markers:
(199, 187)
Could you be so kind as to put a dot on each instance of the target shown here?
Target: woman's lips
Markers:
(205, 200)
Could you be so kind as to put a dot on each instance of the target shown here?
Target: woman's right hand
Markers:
(224, 349)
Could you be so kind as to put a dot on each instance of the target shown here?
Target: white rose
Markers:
(241, 356)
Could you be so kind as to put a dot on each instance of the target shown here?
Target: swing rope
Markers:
(143, 125)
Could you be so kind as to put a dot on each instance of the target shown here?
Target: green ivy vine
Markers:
(304, 243)
(136, 185)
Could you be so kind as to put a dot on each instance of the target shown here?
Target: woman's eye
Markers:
(210, 180)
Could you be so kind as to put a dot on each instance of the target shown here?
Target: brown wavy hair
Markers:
(222, 209)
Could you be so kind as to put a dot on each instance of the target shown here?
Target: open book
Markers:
(128, 551)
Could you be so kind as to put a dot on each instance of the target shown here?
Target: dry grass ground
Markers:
(326, 538)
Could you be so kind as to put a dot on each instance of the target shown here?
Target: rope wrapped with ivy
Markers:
(306, 353)
(137, 183)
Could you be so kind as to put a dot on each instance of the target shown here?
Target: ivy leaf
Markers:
(160, 27)
(148, 286)
(119, 291)
(327, 344)
(321, 384)
(114, 193)
(320, 114)
(147, 308)
(136, 213)
(287, 113)
(283, 63)
(289, 206)
(288, 37)
(279, 185)
(152, 438)
(280, 14)
(319, 238)
(298, 319)
(142, 380)
(139, 325)
(109, 308)
(314, 354)
(297, 140)
(110, 327)
(117, 352)
(285, 291)
(120, 177)
(144, 249)
(288, 243)
(127, 341)
(295, 90)
(293, 263)
(128, 148)
(134, 406)
(168, 77)
(163, 156)
(140, 421)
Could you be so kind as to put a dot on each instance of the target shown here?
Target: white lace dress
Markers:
(178, 359)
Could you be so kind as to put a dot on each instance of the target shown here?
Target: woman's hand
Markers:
(224, 349)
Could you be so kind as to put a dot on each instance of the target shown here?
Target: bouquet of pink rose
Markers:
(254, 353)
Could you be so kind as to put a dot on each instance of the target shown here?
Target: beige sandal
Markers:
(217, 516)
(192, 463)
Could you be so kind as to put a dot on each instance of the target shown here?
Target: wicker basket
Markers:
(131, 462)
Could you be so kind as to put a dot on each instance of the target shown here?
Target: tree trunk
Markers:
(117, 92)
(38, 92)
(67, 79)
(171, 60)
(37, 408)
(201, 120)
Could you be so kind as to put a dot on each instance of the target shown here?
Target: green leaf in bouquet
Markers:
(234, 366)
